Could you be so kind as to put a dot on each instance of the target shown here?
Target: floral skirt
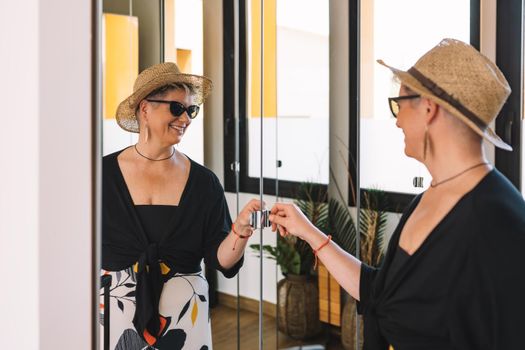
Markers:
(184, 310)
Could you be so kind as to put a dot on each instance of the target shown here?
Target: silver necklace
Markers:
(453, 177)
(155, 160)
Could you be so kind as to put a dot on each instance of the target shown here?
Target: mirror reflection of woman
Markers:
(453, 275)
(162, 214)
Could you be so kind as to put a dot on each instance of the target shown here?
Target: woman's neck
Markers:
(449, 160)
(154, 150)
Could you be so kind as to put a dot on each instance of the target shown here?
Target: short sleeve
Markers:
(366, 280)
(217, 227)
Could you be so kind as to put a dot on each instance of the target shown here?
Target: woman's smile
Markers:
(180, 129)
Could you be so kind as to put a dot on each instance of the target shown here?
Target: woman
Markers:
(452, 277)
(162, 214)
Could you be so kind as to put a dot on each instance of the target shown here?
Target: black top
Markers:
(400, 258)
(154, 219)
(463, 288)
(200, 223)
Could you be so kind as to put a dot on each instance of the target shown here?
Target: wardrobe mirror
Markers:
(134, 35)
(275, 127)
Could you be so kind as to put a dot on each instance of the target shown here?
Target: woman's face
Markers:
(411, 120)
(165, 127)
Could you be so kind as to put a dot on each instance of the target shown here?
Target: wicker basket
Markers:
(298, 307)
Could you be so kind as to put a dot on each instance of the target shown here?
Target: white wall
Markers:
(45, 182)
(65, 182)
(19, 210)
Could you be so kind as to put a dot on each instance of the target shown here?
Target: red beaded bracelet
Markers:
(238, 236)
(321, 247)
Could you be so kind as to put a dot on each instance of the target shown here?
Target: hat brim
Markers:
(125, 114)
(407, 79)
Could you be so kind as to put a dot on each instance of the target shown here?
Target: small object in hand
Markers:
(260, 219)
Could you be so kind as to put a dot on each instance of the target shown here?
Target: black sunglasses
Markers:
(393, 102)
(177, 108)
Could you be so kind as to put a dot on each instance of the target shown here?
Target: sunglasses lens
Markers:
(394, 107)
(176, 108)
(193, 111)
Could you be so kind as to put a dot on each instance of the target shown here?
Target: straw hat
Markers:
(463, 81)
(153, 78)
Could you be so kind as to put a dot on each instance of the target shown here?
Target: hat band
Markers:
(442, 94)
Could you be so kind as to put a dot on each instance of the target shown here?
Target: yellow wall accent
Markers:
(184, 60)
(120, 60)
(169, 31)
(270, 59)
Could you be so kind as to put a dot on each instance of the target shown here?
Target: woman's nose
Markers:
(185, 117)
(397, 123)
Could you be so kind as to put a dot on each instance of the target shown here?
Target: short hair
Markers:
(163, 91)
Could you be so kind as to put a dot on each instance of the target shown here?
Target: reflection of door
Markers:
(283, 112)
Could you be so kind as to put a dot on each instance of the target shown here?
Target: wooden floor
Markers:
(224, 332)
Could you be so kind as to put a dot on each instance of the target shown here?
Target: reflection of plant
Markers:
(372, 227)
(331, 216)
(372, 223)
(286, 254)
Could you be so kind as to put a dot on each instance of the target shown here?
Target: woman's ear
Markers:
(143, 110)
(431, 109)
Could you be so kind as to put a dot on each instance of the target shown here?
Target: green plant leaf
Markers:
(342, 226)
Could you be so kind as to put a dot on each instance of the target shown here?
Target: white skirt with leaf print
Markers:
(184, 310)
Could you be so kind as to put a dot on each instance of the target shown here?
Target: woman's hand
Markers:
(289, 219)
(242, 223)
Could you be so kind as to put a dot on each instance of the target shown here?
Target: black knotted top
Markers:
(199, 224)
(462, 288)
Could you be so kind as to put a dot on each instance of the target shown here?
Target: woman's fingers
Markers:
(279, 207)
(280, 221)
(277, 219)
(254, 205)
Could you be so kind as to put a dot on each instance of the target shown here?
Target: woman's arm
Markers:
(232, 247)
(345, 268)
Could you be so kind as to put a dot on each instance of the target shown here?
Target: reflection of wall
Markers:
(149, 53)
(367, 59)
(148, 13)
(184, 60)
(213, 68)
(120, 60)
(269, 52)
(186, 44)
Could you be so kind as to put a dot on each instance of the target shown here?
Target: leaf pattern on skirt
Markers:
(194, 312)
(190, 331)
